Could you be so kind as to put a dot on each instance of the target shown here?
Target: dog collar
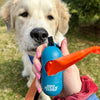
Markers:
(31, 58)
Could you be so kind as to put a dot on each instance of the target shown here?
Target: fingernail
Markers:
(38, 76)
(39, 90)
(37, 54)
(38, 68)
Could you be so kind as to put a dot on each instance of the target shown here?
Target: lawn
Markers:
(13, 86)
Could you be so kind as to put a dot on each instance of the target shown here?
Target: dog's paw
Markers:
(24, 73)
(29, 82)
(43, 96)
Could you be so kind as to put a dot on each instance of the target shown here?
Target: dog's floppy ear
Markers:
(63, 16)
(5, 14)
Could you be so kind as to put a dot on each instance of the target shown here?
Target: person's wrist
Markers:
(77, 83)
(72, 82)
(88, 88)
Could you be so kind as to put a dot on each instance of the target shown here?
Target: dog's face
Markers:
(35, 20)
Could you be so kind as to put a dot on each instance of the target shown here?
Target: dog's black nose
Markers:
(39, 34)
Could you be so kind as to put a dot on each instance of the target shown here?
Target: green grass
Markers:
(13, 86)
(1, 2)
(90, 65)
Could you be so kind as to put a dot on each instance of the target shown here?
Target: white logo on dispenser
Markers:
(51, 88)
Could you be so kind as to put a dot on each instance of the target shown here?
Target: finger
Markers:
(38, 86)
(64, 47)
(37, 74)
(40, 50)
(36, 68)
(37, 64)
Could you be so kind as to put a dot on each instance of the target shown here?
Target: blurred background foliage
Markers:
(84, 11)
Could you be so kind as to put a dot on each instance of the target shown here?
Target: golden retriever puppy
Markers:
(33, 21)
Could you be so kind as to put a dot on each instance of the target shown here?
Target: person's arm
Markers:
(86, 93)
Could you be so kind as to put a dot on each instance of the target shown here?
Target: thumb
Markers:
(64, 49)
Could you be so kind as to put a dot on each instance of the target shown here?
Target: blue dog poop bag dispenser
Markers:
(51, 85)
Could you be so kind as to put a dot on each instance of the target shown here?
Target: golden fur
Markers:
(38, 10)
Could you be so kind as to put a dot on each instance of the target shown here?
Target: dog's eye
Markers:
(50, 17)
(25, 14)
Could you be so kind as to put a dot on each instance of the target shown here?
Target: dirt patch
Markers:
(92, 30)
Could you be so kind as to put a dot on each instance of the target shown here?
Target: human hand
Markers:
(71, 77)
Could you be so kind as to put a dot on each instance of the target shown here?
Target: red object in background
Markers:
(60, 64)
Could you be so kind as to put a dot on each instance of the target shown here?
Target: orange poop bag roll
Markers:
(60, 64)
